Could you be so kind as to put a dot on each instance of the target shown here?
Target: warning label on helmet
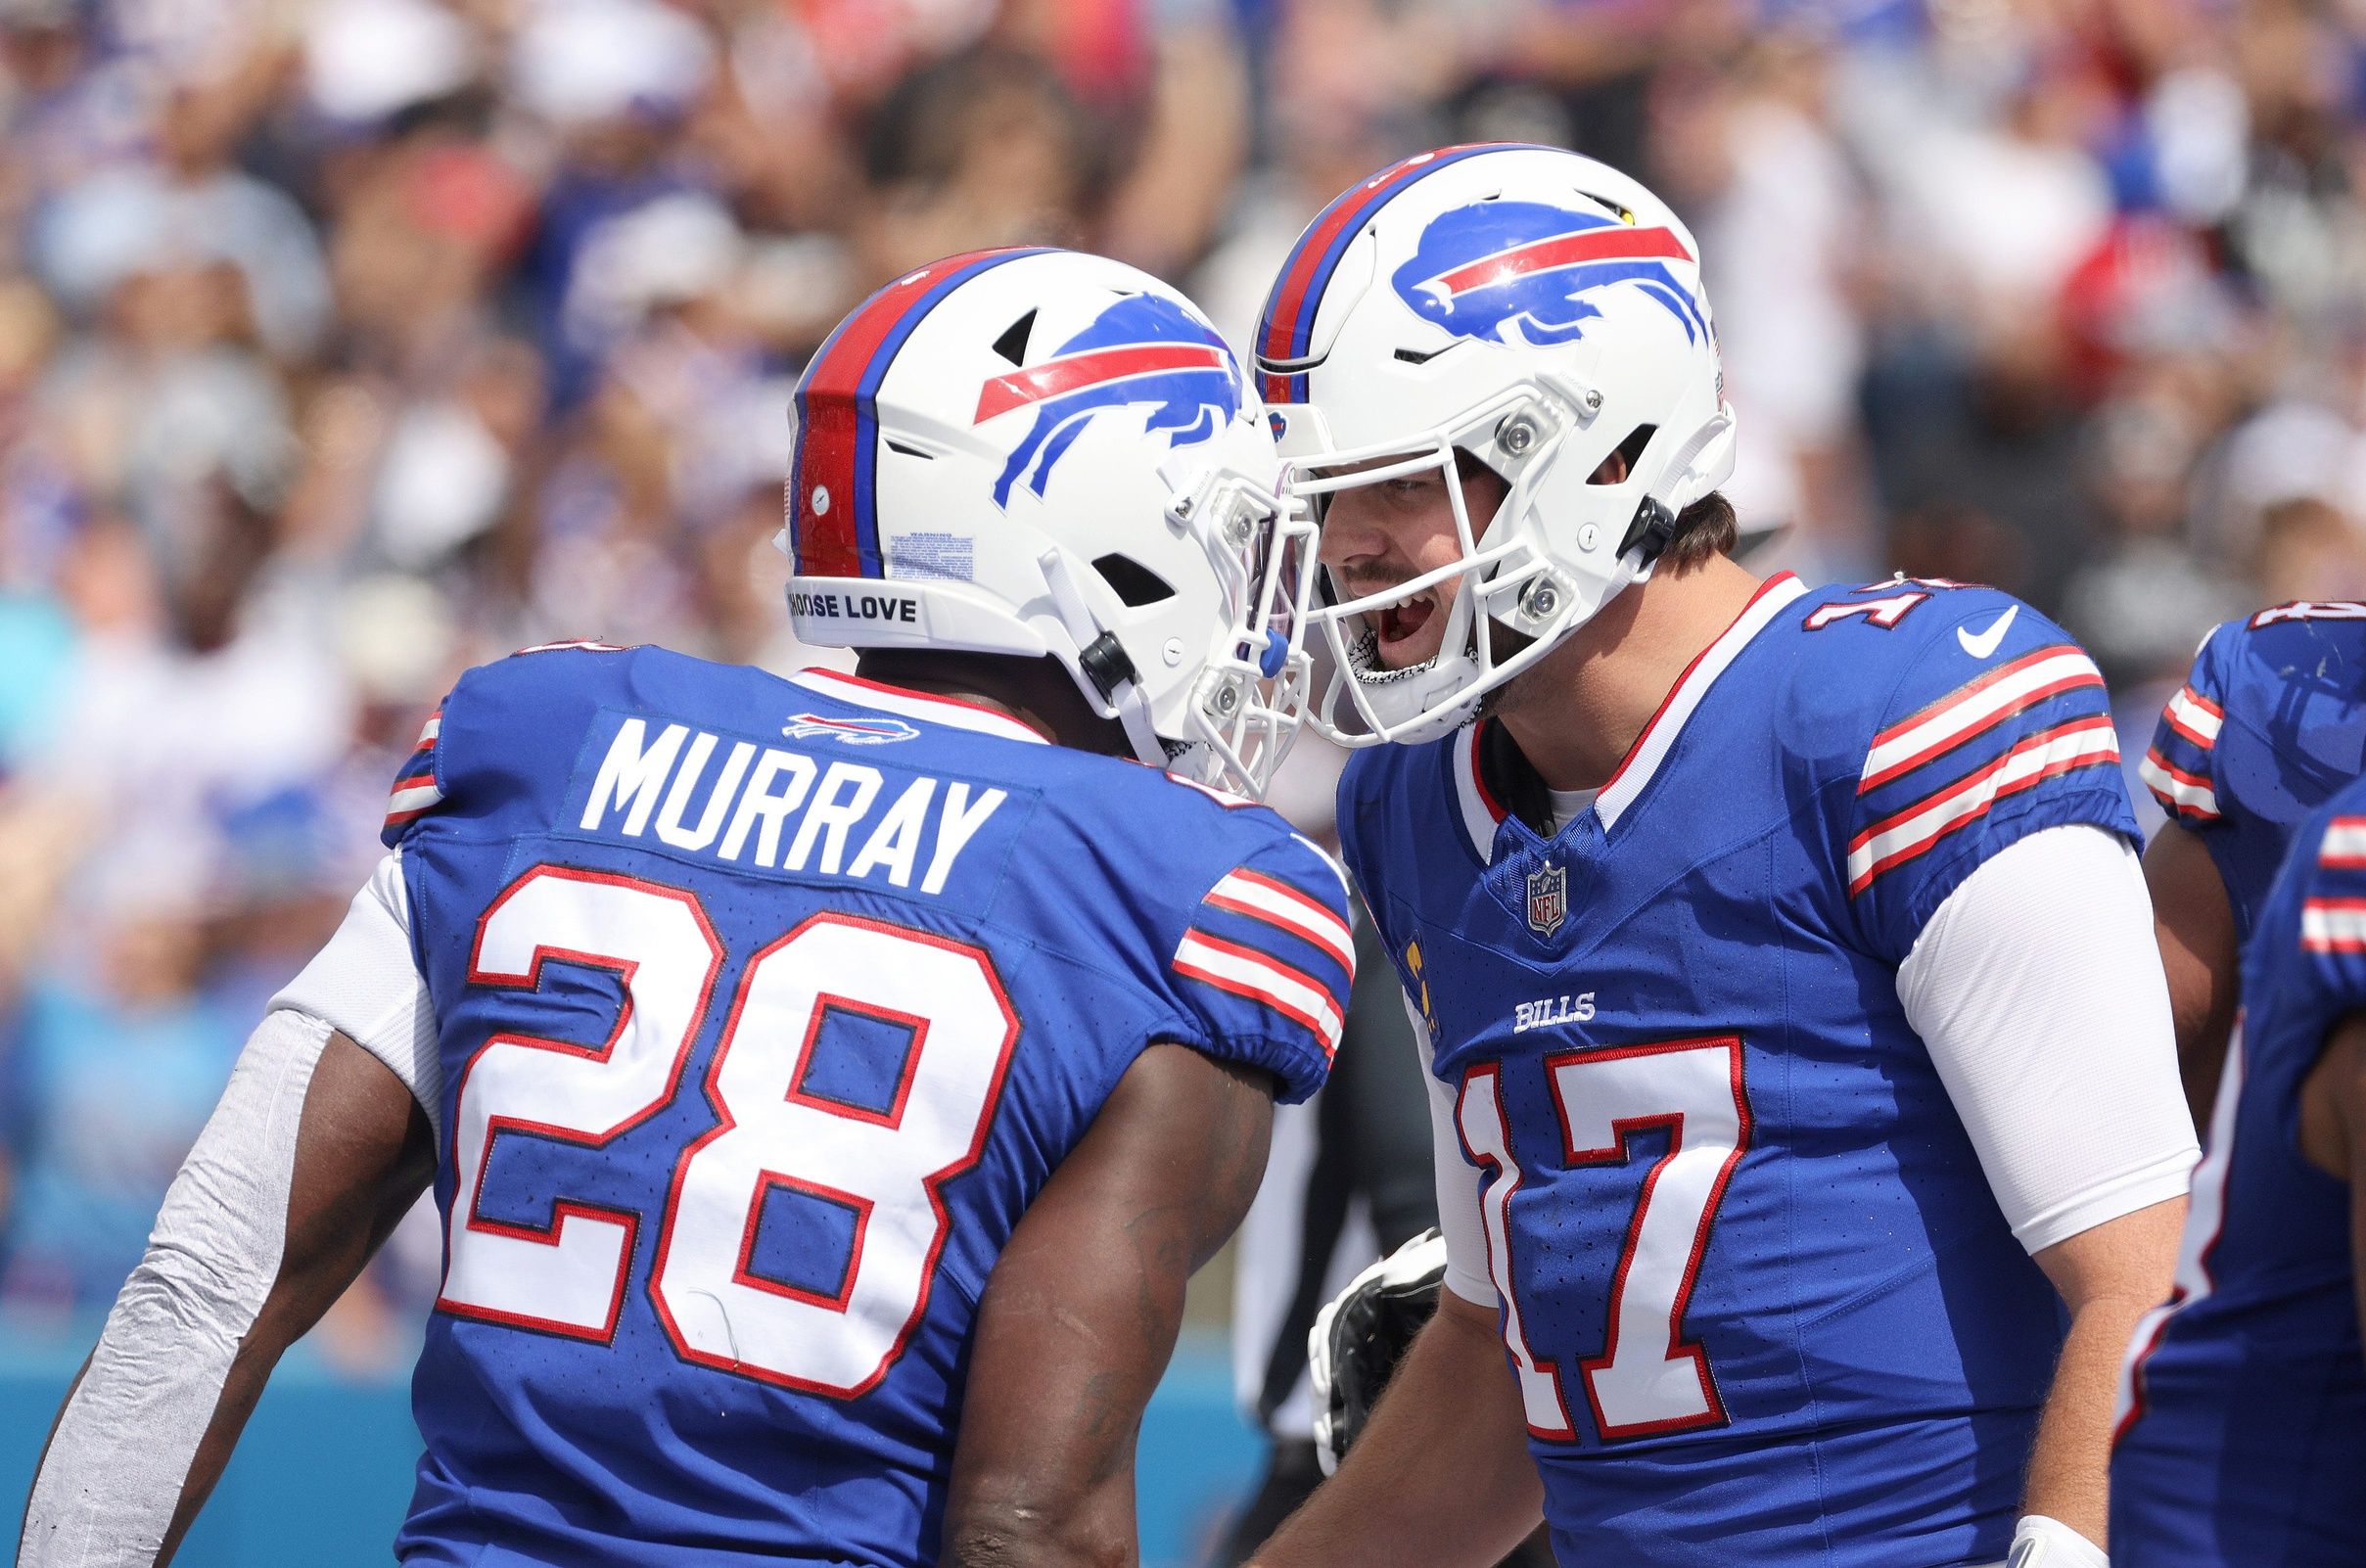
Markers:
(952, 556)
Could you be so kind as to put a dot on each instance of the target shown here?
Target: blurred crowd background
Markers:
(346, 343)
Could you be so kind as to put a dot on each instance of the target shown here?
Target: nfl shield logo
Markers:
(1547, 899)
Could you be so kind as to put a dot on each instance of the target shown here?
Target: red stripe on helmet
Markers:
(1566, 250)
(1289, 294)
(823, 510)
(1055, 378)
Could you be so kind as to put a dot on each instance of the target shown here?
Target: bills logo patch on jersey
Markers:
(1141, 352)
(1547, 899)
(1487, 270)
(848, 731)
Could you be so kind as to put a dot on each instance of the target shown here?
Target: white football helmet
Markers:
(1037, 452)
(1538, 312)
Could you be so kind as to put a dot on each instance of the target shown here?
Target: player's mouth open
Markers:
(1400, 624)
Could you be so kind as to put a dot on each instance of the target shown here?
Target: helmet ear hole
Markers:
(1614, 469)
(1133, 582)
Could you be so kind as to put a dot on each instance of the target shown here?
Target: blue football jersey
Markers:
(764, 1008)
(2243, 1430)
(2271, 721)
(1759, 1299)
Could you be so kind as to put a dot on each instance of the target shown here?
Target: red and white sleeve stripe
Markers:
(2334, 925)
(1278, 904)
(1972, 710)
(2345, 846)
(415, 792)
(1262, 978)
(2195, 717)
(1919, 828)
(2176, 767)
(2187, 792)
(415, 796)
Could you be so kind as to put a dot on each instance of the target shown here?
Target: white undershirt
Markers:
(2037, 989)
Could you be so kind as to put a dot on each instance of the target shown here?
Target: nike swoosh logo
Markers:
(1985, 643)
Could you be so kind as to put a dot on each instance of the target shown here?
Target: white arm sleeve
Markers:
(104, 1494)
(2037, 987)
(1458, 1218)
(367, 983)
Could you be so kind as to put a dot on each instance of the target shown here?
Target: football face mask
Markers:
(1053, 455)
(1532, 311)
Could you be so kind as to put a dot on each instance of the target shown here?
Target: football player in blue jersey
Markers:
(827, 1085)
(2271, 721)
(1808, 1126)
(2243, 1431)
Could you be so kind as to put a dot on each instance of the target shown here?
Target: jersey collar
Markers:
(1482, 811)
(885, 699)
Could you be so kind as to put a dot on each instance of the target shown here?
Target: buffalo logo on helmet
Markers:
(1143, 351)
(1480, 271)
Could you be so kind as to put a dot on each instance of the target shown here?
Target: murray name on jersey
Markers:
(768, 808)
(1745, 1246)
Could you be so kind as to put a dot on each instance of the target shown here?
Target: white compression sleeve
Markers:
(2038, 990)
(105, 1493)
(1458, 1218)
(367, 983)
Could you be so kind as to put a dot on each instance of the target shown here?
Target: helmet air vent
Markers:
(1135, 584)
(1013, 344)
(1617, 210)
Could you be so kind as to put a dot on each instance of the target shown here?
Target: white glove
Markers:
(2042, 1543)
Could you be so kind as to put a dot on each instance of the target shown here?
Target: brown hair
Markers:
(1707, 528)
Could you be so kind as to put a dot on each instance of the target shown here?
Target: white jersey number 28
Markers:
(883, 1165)
(1648, 1377)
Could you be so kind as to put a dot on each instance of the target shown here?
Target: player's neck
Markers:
(1577, 712)
(1036, 692)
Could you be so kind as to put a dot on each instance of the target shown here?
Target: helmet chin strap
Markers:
(1104, 675)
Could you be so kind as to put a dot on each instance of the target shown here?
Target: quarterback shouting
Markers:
(1809, 1133)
